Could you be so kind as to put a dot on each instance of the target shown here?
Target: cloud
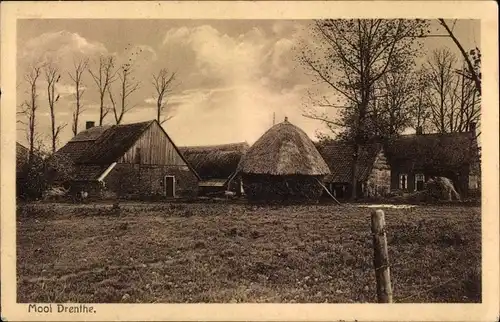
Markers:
(150, 100)
(65, 90)
(237, 82)
(219, 56)
(284, 28)
(230, 83)
(59, 46)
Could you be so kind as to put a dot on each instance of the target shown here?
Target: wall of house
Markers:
(462, 181)
(153, 147)
(395, 172)
(134, 180)
(236, 185)
(379, 180)
(474, 182)
(459, 178)
(411, 174)
(211, 191)
(92, 188)
(340, 191)
(142, 169)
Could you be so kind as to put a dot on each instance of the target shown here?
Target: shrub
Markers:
(31, 181)
(41, 173)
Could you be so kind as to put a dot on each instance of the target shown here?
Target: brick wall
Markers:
(134, 180)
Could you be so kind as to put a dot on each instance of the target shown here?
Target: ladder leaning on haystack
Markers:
(328, 192)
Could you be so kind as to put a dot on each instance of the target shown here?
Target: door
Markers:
(339, 191)
(419, 182)
(170, 186)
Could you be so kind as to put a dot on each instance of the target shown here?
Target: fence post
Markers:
(381, 258)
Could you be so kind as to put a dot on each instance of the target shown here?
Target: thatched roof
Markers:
(284, 150)
(434, 151)
(215, 161)
(338, 155)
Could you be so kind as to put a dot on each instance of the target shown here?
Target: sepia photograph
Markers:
(246, 160)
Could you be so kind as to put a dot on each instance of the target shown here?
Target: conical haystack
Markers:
(282, 165)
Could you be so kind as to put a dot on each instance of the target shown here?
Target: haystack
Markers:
(283, 165)
(441, 188)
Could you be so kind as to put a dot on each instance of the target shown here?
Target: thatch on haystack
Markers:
(215, 161)
(283, 164)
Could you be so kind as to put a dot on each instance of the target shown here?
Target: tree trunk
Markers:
(158, 115)
(354, 170)
(32, 123)
(52, 118)
(77, 112)
(101, 110)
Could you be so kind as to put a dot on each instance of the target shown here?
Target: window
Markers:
(473, 182)
(419, 181)
(403, 181)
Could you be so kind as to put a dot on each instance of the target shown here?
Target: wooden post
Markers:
(381, 258)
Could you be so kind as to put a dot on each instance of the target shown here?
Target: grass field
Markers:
(152, 253)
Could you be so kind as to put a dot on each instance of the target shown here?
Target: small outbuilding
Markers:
(283, 164)
(217, 166)
(373, 171)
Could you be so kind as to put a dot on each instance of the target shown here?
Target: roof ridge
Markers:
(135, 123)
(213, 145)
(433, 134)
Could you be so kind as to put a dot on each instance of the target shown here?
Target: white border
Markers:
(486, 11)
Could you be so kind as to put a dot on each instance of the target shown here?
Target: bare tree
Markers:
(104, 76)
(52, 76)
(29, 107)
(354, 55)
(419, 111)
(395, 94)
(469, 102)
(452, 96)
(76, 77)
(163, 85)
(441, 76)
(473, 72)
(128, 85)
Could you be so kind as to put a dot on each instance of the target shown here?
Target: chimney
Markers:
(472, 127)
(89, 124)
(419, 130)
(286, 118)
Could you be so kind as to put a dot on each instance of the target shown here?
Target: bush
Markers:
(41, 173)
(31, 181)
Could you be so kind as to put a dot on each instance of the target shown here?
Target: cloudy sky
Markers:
(232, 74)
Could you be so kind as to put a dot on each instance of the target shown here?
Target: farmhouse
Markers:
(417, 157)
(131, 160)
(216, 165)
(283, 164)
(373, 173)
